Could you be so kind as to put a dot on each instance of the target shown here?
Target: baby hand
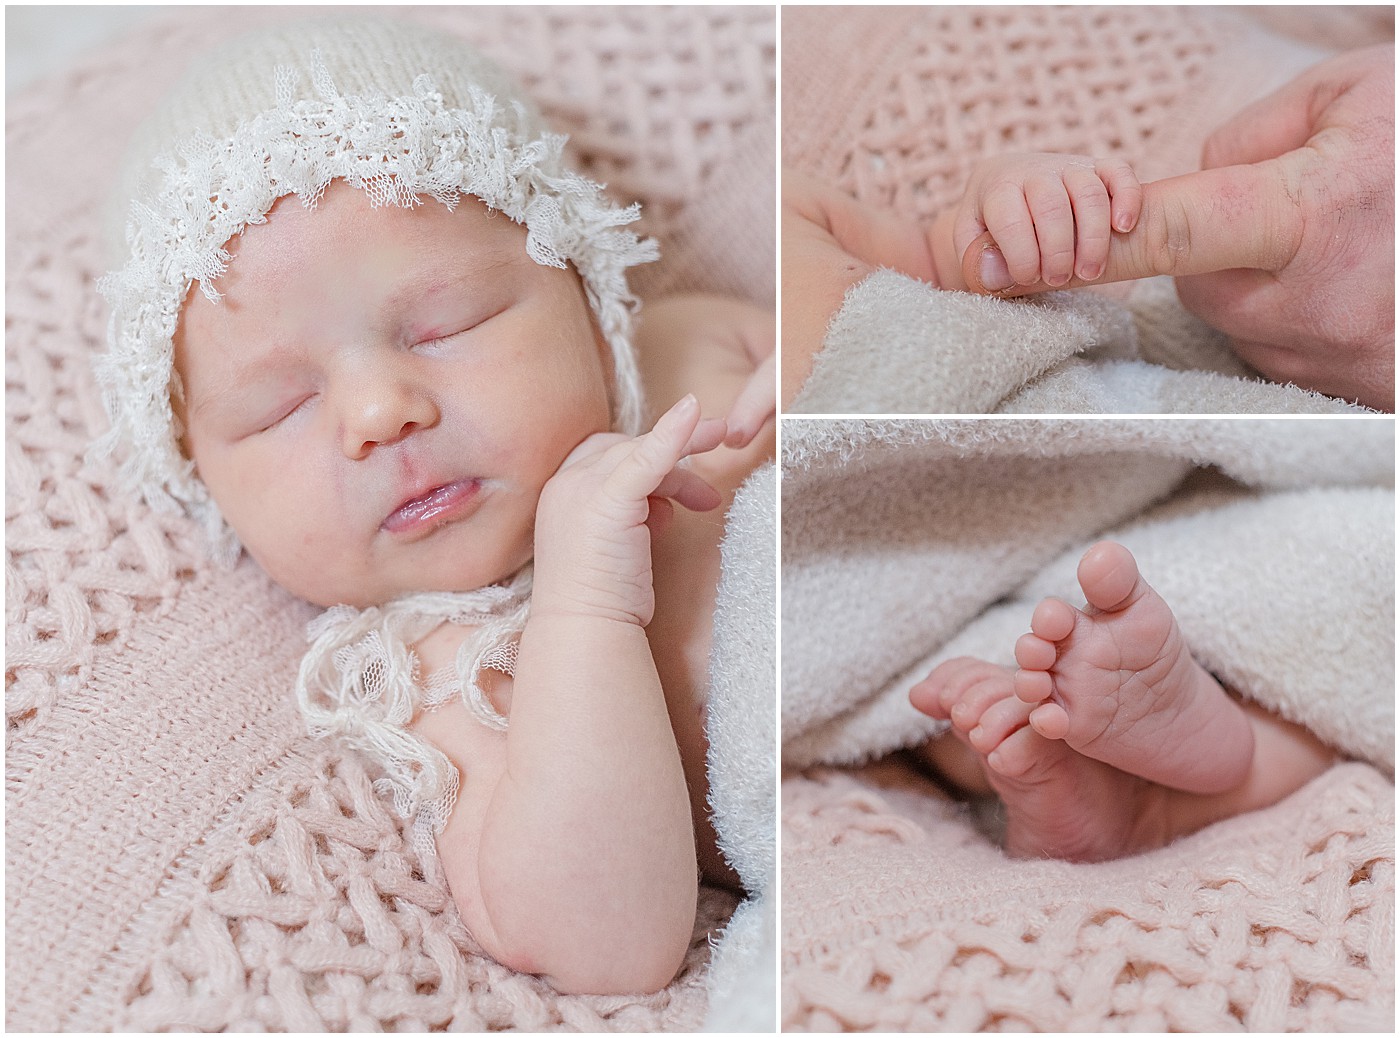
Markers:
(1049, 215)
(593, 524)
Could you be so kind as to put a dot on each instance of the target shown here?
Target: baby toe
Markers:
(1050, 720)
(999, 721)
(1017, 754)
(1053, 619)
(1108, 575)
(1034, 652)
(1033, 686)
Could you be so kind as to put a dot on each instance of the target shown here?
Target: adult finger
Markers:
(1199, 223)
(1265, 129)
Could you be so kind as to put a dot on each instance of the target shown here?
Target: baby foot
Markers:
(1059, 803)
(1116, 682)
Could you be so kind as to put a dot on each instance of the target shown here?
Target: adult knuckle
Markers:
(1166, 236)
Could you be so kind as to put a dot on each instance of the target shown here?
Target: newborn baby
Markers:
(1109, 739)
(410, 395)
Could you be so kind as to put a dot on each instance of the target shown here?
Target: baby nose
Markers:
(383, 412)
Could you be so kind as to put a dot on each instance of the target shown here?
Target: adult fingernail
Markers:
(994, 272)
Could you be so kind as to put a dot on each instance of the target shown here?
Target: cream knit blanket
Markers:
(906, 543)
(179, 853)
(895, 106)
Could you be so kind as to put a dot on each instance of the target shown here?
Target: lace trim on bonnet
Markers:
(360, 680)
(393, 148)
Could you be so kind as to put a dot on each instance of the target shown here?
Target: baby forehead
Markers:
(345, 244)
(344, 217)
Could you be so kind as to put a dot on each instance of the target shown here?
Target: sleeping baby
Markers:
(409, 393)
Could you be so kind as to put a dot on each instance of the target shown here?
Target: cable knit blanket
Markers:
(180, 855)
(906, 543)
(895, 106)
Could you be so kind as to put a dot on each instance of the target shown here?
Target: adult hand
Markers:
(1285, 240)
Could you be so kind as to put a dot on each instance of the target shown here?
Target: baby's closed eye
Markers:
(440, 333)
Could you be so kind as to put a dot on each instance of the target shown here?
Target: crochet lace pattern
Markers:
(360, 680)
(180, 853)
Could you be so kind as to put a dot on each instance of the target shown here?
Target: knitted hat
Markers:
(395, 109)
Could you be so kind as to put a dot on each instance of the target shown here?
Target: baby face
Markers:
(381, 395)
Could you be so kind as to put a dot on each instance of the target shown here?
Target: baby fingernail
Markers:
(994, 272)
(1125, 221)
(1091, 271)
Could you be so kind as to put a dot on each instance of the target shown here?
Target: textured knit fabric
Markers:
(908, 543)
(899, 916)
(180, 854)
(896, 106)
(897, 346)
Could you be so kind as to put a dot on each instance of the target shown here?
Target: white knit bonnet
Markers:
(398, 110)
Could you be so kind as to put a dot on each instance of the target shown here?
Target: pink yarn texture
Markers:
(180, 854)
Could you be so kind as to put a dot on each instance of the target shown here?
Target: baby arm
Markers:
(1047, 212)
(721, 349)
(573, 856)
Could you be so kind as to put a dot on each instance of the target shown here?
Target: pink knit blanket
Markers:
(180, 855)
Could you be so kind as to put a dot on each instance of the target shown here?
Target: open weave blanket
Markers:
(907, 543)
(895, 106)
(179, 854)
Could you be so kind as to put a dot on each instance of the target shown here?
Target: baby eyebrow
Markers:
(239, 386)
(415, 291)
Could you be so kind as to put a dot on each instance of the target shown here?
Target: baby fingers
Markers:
(651, 460)
(1126, 191)
(757, 402)
(688, 490)
(1008, 220)
(1091, 221)
(1050, 208)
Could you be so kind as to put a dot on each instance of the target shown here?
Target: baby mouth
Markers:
(437, 507)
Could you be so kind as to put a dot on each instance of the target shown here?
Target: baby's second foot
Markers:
(1116, 682)
(1059, 803)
